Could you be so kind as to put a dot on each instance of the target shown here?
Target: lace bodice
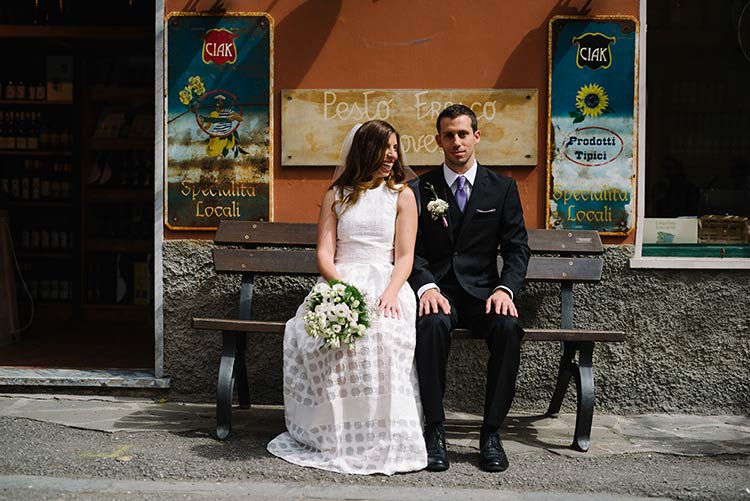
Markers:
(365, 231)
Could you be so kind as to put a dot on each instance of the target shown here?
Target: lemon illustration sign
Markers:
(591, 127)
(218, 119)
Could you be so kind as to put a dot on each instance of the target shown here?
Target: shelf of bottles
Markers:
(76, 13)
(44, 237)
(118, 242)
(26, 132)
(43, 225)
(39, 182)
(77, 174)
(35, 107)
(122, 278)
(47, 282)
(118, 171)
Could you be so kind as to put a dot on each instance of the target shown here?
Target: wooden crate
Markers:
(724, 229)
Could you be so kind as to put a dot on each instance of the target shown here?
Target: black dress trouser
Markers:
(503, 337)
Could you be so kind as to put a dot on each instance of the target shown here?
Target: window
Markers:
(694, 181)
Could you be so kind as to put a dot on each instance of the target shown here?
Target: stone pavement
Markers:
(61, 447)
(686, 435)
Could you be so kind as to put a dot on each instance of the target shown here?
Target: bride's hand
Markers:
(388, 305)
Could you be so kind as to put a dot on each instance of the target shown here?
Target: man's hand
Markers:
(432, 302)
(501, 302)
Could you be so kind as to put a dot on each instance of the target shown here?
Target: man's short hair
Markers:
(455, 111)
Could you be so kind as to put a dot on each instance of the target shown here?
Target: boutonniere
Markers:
(437, 207)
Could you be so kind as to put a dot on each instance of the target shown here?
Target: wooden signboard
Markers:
(315, 122)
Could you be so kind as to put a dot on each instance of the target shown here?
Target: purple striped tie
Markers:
(461, 193)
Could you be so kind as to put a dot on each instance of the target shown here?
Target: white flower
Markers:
(437, 208)
(331, 315)
(342, 310)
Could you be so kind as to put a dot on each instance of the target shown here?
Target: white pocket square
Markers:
(485, 211)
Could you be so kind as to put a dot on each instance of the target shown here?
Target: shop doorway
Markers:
(77, 185)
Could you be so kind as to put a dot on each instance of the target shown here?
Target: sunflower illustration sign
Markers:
(591, 127)
(218, 124)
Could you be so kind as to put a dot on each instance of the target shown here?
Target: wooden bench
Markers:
(561, 256)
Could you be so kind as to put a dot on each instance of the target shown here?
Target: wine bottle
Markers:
(32, 138)
(21, 138)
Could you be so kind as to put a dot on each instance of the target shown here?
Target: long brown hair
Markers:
(365, 156)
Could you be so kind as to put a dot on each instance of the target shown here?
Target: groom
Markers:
(457, 282)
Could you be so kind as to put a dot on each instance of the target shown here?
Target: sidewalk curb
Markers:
(267, 491)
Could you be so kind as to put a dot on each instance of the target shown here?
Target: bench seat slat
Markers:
(531, 334)
(266, 260)
(555, 335)
(564, 269)
(255, 232)
(222, 324)
(574, 335)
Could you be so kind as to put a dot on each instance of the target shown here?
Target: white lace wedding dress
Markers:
(357, 410)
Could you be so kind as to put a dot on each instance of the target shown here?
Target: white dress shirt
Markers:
(451, 179)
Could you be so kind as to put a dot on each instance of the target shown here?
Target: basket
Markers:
(724, 229)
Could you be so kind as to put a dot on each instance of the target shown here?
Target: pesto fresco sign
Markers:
(218, 119)
(591, 127)
(316, 121)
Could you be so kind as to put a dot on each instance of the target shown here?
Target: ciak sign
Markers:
(591, 125)
(218, 119)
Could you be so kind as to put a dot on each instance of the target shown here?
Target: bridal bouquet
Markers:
(336, 312)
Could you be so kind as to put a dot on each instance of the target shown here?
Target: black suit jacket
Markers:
(493, 219)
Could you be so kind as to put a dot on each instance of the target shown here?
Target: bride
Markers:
(357, 410)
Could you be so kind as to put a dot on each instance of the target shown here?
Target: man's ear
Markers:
(437, 140)
(478, 135)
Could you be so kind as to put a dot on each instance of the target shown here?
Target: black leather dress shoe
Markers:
(491, 453)
(437, 456)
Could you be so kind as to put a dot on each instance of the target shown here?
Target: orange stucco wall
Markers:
(407, 44)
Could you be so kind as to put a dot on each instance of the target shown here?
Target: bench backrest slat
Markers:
(564, 269)
(255, 232)
(266, 260)
(541, 269)
(303, 261)
(565, 242)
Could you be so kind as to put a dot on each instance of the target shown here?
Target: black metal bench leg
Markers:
(585, 392)
(240, 372)
(564, 373)
(225, 386)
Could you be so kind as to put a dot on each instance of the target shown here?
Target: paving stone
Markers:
(522, 434)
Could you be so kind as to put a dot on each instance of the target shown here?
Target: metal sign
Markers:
(218, 119)
(591, 127)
